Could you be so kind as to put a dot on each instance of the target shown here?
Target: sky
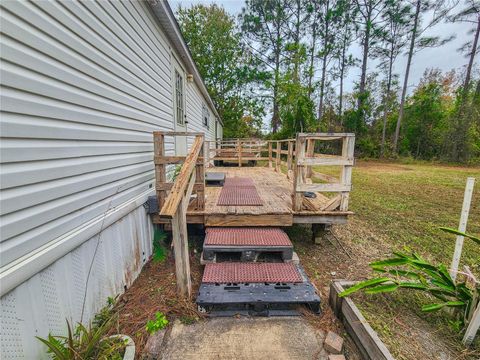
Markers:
(444, 58)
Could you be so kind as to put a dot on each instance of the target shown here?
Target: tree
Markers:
(265, 22)
(397, 17)
(417, 42)
(345, 37)
(329, 20)
(369, 23)
(228, 71)
(471, 14)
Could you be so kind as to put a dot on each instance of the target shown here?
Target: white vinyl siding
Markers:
(84, 84)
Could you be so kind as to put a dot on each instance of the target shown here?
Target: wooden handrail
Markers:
(181, 182)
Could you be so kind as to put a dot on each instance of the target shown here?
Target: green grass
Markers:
(408, 203)
(400, 206)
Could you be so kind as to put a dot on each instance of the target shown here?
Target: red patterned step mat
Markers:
(224, 273)
(239, 191)
(245, 236)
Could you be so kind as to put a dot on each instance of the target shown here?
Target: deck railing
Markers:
(174, 205)
(306, 158)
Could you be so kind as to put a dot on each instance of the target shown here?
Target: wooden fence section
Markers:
(175, 198)
(305, 159)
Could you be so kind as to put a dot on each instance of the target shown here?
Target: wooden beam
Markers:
(309, 161)
(270, 157)
(177, 192)
(332, 204)
(278, 157)
(160, 173)
(348, 148)
(191, 219)
(324, 188)
(180, 246)
(310, 151)
(200, 180)
(319, 219)
(248, 220)
(161, 160)
(177, 133)
(298, 175)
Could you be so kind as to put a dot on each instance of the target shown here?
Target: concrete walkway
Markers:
(244, 338)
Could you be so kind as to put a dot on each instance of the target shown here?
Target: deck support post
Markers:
(160, 173)
(278, 158)
(318, 231)
(239, 150)
(348, 147)
(180, 246)
(270, 155)
(290, 160)
(310, 152)
(298, 174)
(200, 178)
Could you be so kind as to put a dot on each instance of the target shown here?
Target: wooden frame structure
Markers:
(184, 199)
(190, 180)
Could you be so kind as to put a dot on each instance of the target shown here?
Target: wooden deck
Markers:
(275, 189)
(283, 197)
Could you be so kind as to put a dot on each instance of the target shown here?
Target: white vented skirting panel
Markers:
(41, 304)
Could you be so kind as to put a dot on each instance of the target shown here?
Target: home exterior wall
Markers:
(84, 84)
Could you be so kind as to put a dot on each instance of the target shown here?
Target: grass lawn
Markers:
(397, 207)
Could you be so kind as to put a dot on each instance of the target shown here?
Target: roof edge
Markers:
(165, 16)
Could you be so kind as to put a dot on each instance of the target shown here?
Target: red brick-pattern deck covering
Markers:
(238, 191)
(223, 273)
(245, 236)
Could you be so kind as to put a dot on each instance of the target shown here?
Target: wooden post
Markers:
(348, 148)
(270, 156)
(310, 152)
(239, 149)
(298, 177)
(200, 179)
(278, 156)
(206, 152)
(290, 159)
(180, 246)
(462, 226)
(160, 173)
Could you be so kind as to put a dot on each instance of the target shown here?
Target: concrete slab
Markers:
(277, 338)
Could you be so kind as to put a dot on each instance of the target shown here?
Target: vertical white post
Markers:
(462, 226)
(473, 327)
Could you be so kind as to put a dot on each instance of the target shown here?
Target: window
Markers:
(205, 116)
(179, 103)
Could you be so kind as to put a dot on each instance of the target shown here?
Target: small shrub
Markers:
(85, 344)
(159, 323)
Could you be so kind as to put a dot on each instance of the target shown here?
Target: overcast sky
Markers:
(444, 58)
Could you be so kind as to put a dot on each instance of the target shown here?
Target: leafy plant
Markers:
(84, 343)
(106, 313)
(413, 272)
(159, 323)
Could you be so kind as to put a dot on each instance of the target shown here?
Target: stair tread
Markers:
(224, 273)
(246, 236)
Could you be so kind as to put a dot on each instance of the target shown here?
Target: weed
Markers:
(159, 323)
(188, 320)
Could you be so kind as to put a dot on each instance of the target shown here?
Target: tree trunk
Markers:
(324, 64)
(342, 71)
(275, 115)
(386, 100)
(312, 58)
(363, 77)
(472, 56)
(407, 72)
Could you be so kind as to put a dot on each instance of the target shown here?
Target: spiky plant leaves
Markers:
(456, 232)
(434, 307)
(381, 289)
(362, 285)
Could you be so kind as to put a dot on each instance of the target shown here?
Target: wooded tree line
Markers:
(287, 61)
